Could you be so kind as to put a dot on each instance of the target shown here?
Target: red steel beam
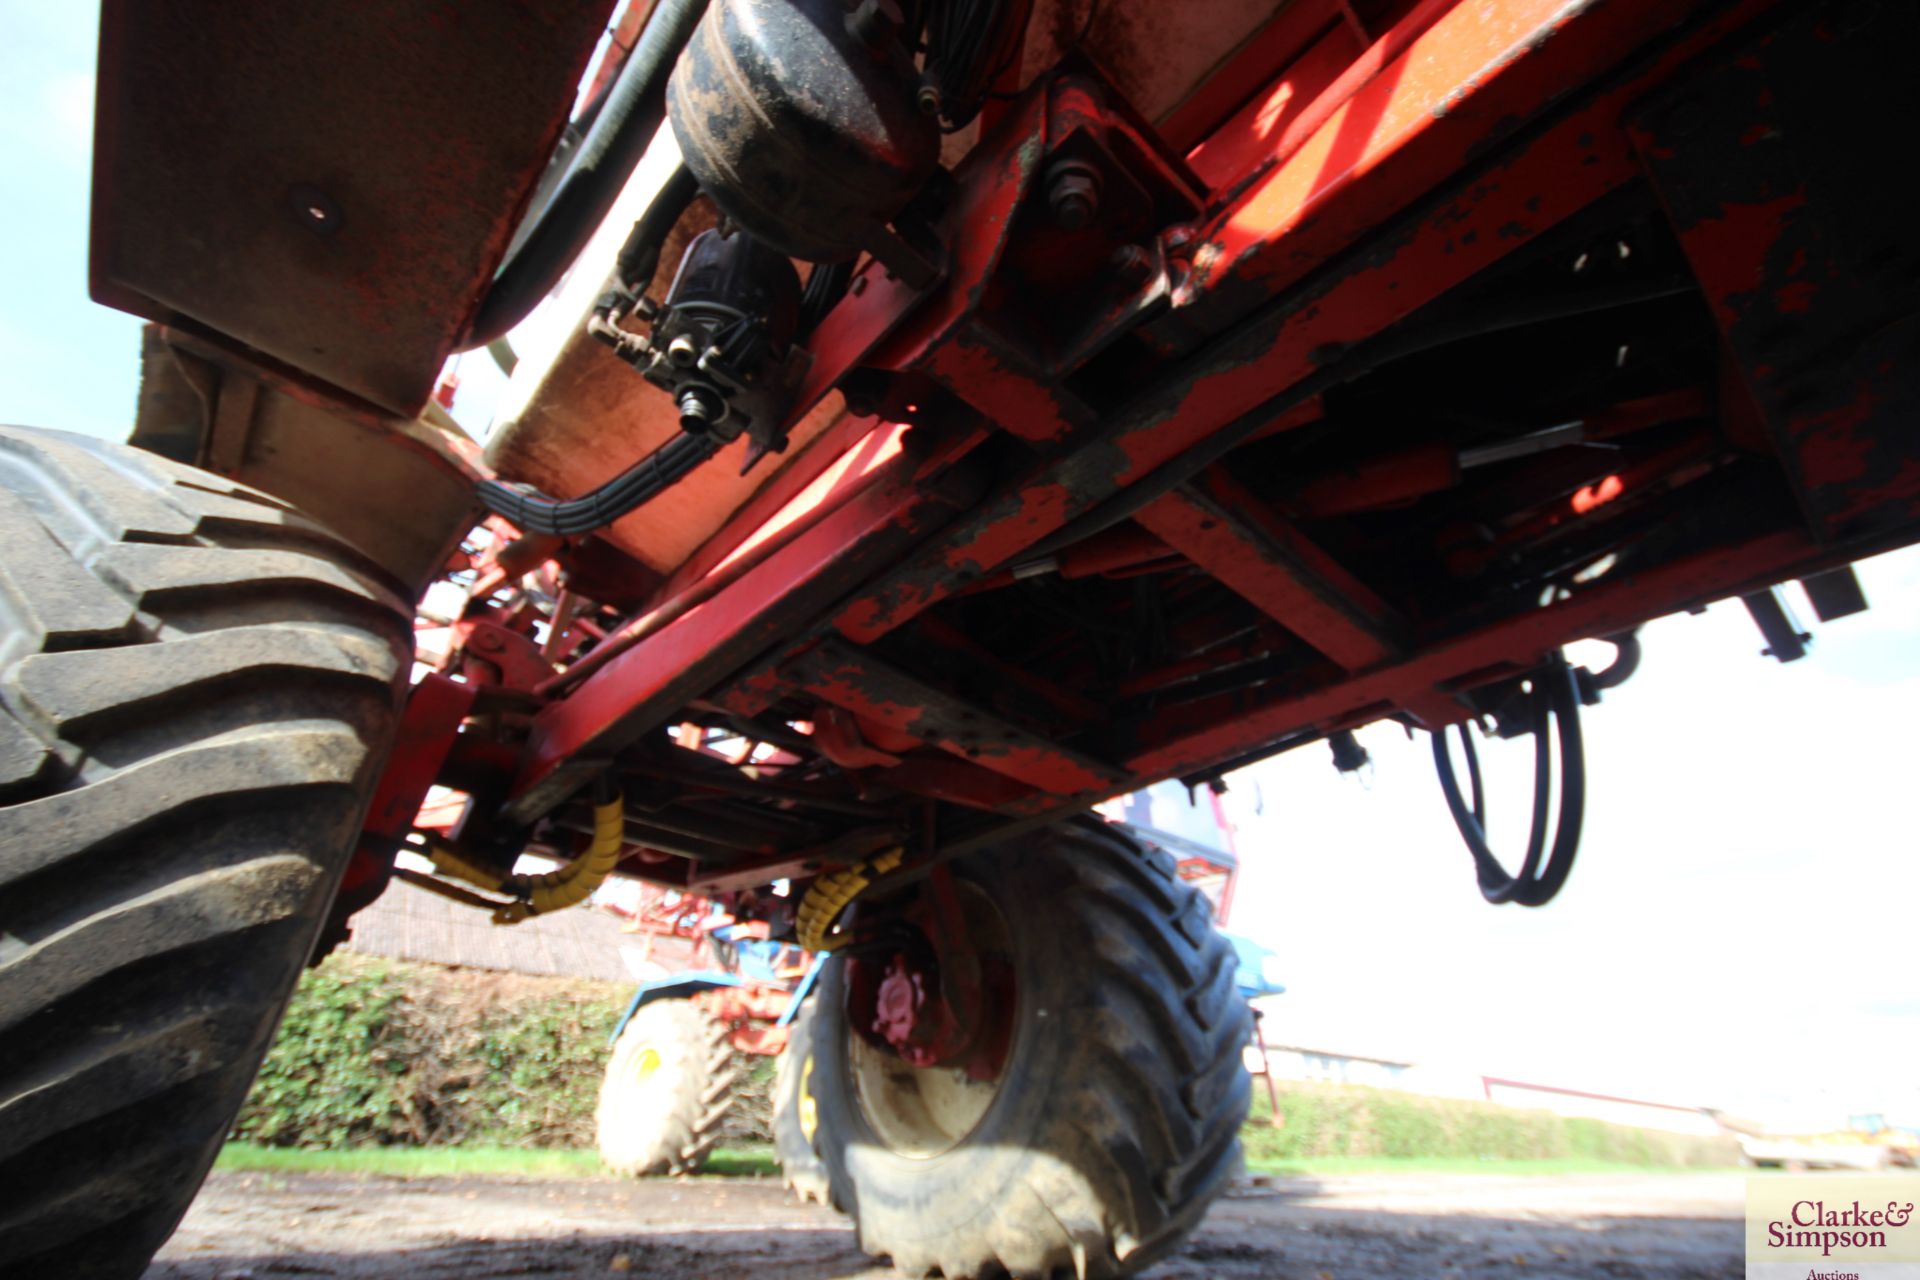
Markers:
(1447, 84)
(429, 728)
(1204, 735)
(1220, 527)
(1287, 40)
(651, 681)
(1271, 226)
(837, 673)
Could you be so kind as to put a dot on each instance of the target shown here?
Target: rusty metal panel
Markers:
(1771, 164)
(200, 406)
(1226, 531)
(863, 684)
(329, 184)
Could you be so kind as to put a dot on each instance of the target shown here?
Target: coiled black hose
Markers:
(619, 136)
(536, 513)
(1543, 872)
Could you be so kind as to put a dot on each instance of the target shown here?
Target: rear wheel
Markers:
(197, 687)
(668, 1090)
(1114, 1118)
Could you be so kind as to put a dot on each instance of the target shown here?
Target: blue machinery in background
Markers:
(755, 963)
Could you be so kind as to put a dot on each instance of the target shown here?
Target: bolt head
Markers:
(1073, 195)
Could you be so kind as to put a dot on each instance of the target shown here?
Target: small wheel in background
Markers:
(668, 1090)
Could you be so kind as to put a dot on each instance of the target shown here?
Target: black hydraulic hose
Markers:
(1626, 661)
(619, 136)
(1395, 344)
(1543, 871)
(826, 285)
(640, 254)
(651, 476)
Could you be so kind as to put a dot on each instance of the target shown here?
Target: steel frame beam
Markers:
(843, 675)
(1219, 526)
(648, 683)
(1479, 129)
(1196, 738)
(1302, 213)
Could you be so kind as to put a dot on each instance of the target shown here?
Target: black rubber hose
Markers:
(1626, 661)
(634, 110)
(1573, 790)
(640, 254)
(826, 285)
(1395, 344)
(1544, 870)
(652, 475)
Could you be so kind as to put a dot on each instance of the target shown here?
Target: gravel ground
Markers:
(252, 1226)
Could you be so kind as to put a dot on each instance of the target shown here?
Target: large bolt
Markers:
(1073, 193)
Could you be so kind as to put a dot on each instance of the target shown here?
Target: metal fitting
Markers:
(699, 410)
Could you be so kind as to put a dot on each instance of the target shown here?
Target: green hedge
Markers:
(1352, 1121)
(381, 1053)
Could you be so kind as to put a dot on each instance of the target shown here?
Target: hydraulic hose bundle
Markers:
(541, 894)
(536, 513)
(832, 893)
(1555, 697)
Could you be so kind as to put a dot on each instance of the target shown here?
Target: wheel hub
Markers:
(903, 1017)
(930, 1019)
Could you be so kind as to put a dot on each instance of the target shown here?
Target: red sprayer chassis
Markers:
(1159, 500)
(996, 406)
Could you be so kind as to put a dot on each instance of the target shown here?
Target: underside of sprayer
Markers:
(929, 418)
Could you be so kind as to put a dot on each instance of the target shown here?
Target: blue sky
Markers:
(63, 361)
(1743, 929)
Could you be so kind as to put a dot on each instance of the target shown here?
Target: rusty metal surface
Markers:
(878, 691)
(647, 684)
(331, 185)
(1224, 530)
(201, 405)
(1769, 164)
(1576, 162)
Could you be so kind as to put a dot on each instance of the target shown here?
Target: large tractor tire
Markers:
(197, 688)
(668, 1090)
(1115, 1117)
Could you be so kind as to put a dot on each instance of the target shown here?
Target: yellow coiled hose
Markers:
(537, 895)
(829, 895)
